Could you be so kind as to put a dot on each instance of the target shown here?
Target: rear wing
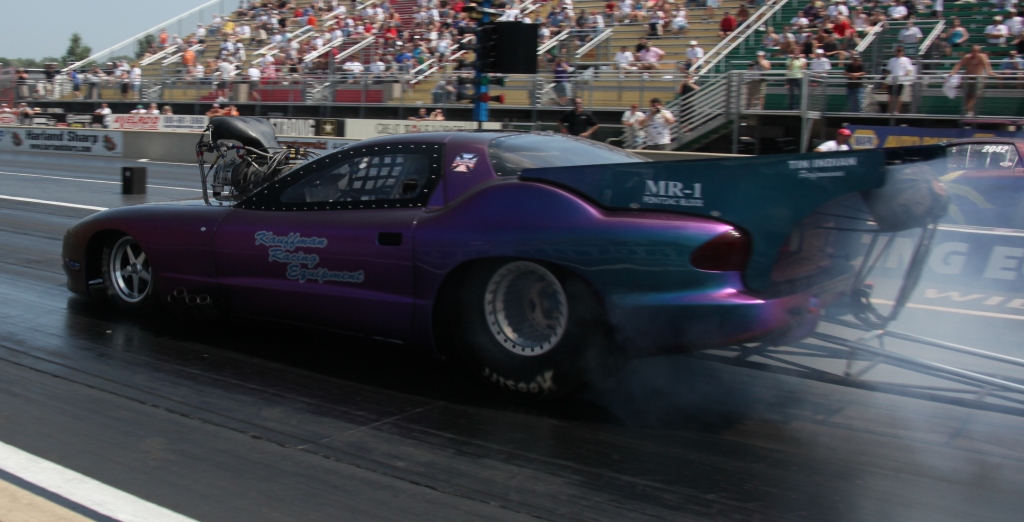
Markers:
(766, 196)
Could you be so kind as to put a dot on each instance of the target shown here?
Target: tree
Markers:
(77, 51)
(144, 44)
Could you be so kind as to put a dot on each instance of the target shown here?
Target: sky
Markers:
(101, 23)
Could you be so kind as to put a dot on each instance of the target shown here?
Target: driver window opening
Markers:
(367, 178)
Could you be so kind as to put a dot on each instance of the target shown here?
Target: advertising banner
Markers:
(988, 261)
(62, 140)
(869, 137)
(158, 122)
(363, 129)
(293, 126)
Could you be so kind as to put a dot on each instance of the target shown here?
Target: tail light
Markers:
(726, 252)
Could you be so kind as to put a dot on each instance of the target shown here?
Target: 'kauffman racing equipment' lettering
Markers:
(290, 242)
(296, 272)
(283, 256)
(302, 266)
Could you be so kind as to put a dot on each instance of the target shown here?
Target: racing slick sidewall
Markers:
(573, 347)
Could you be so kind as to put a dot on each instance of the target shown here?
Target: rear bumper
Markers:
(658, 323)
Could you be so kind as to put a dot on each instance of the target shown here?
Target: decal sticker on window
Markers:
(301, 265)
(464, 162)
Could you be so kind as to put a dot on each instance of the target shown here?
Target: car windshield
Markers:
(511, 154)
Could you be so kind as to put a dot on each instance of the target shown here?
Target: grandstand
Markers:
(320, 85)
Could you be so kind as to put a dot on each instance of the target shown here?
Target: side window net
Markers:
(368, 178)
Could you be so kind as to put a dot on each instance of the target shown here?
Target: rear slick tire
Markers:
(532, 331)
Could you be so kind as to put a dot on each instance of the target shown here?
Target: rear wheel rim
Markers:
(526, 308)
(130, 273)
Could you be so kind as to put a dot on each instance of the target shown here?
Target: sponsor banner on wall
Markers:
(158, 122)
(293, 126)
(8, 118)
(321, 145)
(62, 140)
(363, 129)
(870, 137)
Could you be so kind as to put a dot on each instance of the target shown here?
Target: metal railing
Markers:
(709, 62)
(125, 46)
(593, 43)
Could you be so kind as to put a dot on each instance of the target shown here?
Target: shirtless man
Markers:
(975, 65)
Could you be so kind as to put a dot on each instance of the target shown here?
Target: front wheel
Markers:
(531, 332)
(127, 275)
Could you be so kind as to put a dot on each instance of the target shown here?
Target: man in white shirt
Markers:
(153, 109)
(658, 122)
(842, 142)
(897, 12)
(694, 53)
(996, 33)
(635, 136)
(139, 109)
(135, 78)
(253, 74)
(354, 67)
(1015, 24)
(106, 115)
(820, 63)
(910, 35)
(200, 32)
(624, 59)
(901, 73)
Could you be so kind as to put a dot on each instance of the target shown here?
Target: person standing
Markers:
(253, 74)
(135, 77)
(855, 86)
(561, 72)
(758, 85)
(976, 66)
(901, 71)
(795, 67)
(577, 121)
(634, 134)
(658, 123)
(842, 142)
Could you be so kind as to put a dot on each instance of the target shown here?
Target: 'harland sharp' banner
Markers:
(67, 141)
(363, 129)
(866, 137)
(158, 122)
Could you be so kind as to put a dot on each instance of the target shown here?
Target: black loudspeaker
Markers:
(517, 44)
(133, 180)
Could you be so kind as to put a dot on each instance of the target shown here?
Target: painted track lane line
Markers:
(955, 310)
(90, 180)
(83, 490)
(57, 203)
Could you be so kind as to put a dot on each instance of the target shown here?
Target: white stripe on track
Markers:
(956, 310)
(83, 490)
(57, 203)
(91, 180)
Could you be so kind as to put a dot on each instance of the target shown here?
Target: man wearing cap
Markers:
(694, 53)
(139, 109)
(996, 33)
(842, 142)
(214, 111)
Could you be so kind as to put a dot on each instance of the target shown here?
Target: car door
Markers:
(985, 182)
(331, 243)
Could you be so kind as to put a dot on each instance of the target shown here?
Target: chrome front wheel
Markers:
(127, 274)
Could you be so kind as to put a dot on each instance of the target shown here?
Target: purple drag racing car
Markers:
(540, 260)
